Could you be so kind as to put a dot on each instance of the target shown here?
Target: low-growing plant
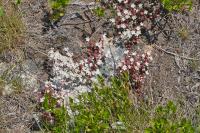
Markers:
(58, 4)
(107, 107)
(177, 5)
(57, 7)
(54, 117)
(104, 109)
(100, 12)
(166, 120)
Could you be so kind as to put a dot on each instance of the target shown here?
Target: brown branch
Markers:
(174, 54)
(85, 22)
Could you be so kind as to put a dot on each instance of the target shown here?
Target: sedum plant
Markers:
(101, 57)
(129, 19)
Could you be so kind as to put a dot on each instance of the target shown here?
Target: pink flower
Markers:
(124, 67)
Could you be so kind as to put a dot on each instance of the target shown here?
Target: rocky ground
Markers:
(174, 77)
(174, 72)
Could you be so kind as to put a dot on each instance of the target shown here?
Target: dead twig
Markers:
(174, 54)
(37, 50)
(85, 22)
(37, 121)
(92, 4)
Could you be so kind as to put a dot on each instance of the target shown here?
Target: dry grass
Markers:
(16, 109)
(11, 27)
(11, 39)
(16, 112)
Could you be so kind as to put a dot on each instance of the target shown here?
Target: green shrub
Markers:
(104, 109)
(177, 5)
(109, 108)
(55, 118)
(166, 120)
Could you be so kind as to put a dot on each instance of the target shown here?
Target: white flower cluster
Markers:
(132, 17)
(69, 74)
(104, 58)
(73, 75)
(60, 94)
(128, 19)
(67, 79)
(136, 64)
(64, 67)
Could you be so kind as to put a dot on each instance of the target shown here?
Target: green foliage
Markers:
(104, 109)
(166, 120)
(17, 2)
(58, 4)
(1, 11)
(177, 5)
(100, 12)
(58, 114)
(108, 108)
(58, 8)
